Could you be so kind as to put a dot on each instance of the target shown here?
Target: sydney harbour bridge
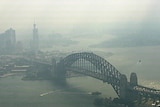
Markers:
(92, 65)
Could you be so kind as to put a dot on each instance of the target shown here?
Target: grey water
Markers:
(15, 92)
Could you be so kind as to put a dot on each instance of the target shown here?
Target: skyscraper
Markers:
(35, 38)
(8, 41)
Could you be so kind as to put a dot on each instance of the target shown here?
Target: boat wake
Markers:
(46, 93)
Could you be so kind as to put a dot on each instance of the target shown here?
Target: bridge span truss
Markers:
(92, 65)
(95, 66)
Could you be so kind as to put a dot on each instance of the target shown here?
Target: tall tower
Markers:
(35, 38)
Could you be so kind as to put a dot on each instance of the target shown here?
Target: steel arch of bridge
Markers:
(109, 73)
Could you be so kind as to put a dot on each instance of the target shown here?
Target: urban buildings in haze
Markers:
(8, 41)
(8, 44)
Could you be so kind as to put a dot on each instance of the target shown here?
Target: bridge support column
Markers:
(58, 72)
(133, 79)
(123, 87)
(133, 82)
(53, 68)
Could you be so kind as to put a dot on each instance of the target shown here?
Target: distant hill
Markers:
(130, 41)
(56, 39)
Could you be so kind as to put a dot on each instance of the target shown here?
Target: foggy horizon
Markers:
(83, 20)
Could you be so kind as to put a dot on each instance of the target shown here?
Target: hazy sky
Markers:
(69, 16)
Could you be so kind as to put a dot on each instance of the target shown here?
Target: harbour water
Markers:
(15, 92)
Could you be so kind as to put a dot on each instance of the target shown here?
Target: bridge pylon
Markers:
(123, 87)
(58, 72)
(133, 79)
(125, 93)
(53, 67)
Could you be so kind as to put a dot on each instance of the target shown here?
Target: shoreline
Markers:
(6, 75)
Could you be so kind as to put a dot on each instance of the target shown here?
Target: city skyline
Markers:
(88, 23)
(71, 16)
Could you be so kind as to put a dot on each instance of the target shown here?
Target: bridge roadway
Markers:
(146, 91)
(107, 73)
